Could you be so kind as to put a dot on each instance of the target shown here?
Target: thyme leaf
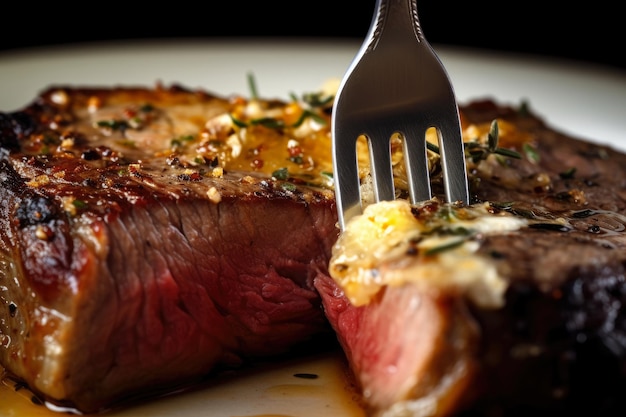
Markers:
(254, 94)
(493, 136)
(444, 247)
(531, 153)
(569, 174)
(281, 174)
(476, 151)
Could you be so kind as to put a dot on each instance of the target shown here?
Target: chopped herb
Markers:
(444, 247)
(268, 122)
(317, 99)
(504, 205)
(50, 140)
(493, 136)
(507, 152)
(479, 152)
(79, 204)
(113, 124)
(432, 147)
(237, 122)
(525, 213)
(305, 114)
(531, 153)
(281, 174)
(288, 187)
(176, 142)
(254, 94)
(476, 151)
(524, 108)
(569, 174)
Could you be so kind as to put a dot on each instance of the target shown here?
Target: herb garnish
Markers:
(444, 247)
(476, 151)
(281, 174)
(531, 153)
(254, 94)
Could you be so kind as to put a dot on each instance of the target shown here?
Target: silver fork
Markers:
(395, 84)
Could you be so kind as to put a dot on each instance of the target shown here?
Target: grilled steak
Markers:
(515, 305)
(151, 236)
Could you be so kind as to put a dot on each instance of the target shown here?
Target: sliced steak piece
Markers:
(151, 236)
(515, 305)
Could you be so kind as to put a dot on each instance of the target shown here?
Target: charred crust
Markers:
(565, 345)
(9, 179)
(34, 210)
(594, 309)
(14, 126)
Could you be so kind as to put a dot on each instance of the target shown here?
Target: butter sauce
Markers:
(393, 243)
(303, 387)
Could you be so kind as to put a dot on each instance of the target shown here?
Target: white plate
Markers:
(586, 101)
(581, 99)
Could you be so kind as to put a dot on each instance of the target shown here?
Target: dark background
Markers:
(590, 32)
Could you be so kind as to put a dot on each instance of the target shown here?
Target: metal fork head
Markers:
(396, 84)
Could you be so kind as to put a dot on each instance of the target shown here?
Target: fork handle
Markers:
(392, 24)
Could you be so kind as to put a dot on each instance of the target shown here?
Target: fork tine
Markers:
(345, 168)
(395, 84)
(380, 167)
(452, 154)
(416, 161)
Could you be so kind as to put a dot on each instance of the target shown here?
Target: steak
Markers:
(512, 306)
(152, 236)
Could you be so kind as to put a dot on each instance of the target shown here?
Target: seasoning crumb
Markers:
(247, 179)
(59, 97)
(93, 104)
(42, 233)
(69, 206)
(218, 172)
(67, 143)
(214, 195)
(38, 181)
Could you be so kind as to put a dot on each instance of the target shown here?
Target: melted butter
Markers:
(16, 400)
(389, 245)
(247, 135)
(301, 387)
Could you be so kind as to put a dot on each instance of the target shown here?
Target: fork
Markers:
(396, 84)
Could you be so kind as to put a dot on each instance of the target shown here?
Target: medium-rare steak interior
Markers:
(152, 236)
